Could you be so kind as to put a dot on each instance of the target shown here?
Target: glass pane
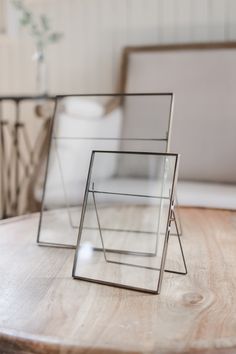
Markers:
(97, 122)
(125, 220)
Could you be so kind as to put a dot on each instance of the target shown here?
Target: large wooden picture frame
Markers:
(202, 77)
(128, 51)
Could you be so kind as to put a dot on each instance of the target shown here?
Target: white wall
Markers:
(95, 31)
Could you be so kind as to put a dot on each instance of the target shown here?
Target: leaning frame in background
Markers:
(114, 101)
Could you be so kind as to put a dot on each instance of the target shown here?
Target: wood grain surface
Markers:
(43, 310)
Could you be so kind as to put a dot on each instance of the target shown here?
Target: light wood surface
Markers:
(43, 310)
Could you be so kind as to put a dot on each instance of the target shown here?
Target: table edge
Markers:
(14, 342)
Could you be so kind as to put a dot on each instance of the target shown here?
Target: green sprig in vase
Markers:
(39, 28)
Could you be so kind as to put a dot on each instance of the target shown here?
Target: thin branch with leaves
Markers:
(39, 27)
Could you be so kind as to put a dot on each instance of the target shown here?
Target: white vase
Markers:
(41, 73)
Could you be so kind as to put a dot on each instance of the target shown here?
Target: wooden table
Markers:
(43, 310)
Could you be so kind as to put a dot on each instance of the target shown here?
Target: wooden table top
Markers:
(43, 310)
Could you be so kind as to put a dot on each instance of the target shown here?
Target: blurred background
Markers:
(51, 47)
(87, 58)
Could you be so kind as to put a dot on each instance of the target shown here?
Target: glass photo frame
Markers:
(126, 220)
(81, 124)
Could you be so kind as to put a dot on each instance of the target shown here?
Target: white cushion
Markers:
(83, 108)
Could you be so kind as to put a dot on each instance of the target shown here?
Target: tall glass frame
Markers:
(58, 226)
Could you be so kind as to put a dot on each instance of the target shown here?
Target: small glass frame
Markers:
(126, 220)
